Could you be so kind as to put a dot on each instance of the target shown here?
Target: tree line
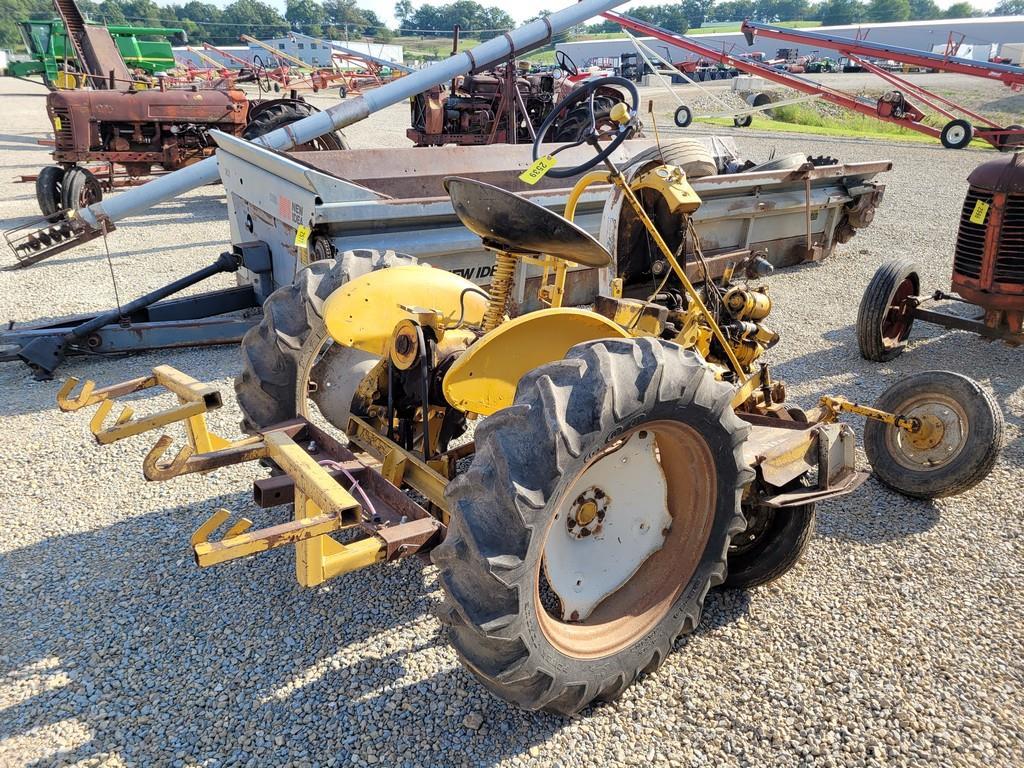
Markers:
(338, 19)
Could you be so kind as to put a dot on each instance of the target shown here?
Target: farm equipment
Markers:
(504, 105)
(988, 271)
(893, 106)
(66, 230)
(630, 458)
(140, 129)
(56, 61)
(388, 198)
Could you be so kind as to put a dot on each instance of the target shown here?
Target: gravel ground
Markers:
(897, 641)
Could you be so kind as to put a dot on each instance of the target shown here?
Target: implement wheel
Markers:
(286, 359)
(883, 319)
(963, 432)
(50, 190)
(592, 522)
(956, 134)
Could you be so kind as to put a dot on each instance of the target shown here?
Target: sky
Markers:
(524, 9)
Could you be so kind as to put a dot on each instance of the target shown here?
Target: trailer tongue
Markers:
(78, 226)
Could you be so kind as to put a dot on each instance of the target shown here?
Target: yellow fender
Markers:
(484, 379)
(363, 313)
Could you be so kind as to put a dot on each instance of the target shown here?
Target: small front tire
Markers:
(884, 321)
(683, 116)
(960, 442)
(770, 546)
(49, 190)
(80, 189)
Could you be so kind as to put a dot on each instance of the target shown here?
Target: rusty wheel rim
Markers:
(638, 605)
(896, 322)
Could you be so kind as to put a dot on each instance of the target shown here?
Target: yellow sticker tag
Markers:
(56, 123)
(536, 172)
(980, 212)
(302, 236)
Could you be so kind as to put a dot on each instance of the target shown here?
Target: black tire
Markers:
(267, 387)
(80, 189)
(1007, 143)
(502, 511)
(269, 116)
(342, 91)
(770, 545)
(882, 325)
(954, 399)
(743, 121)
(691, 155)
(957, 134)
(683, 116)
(49, 190)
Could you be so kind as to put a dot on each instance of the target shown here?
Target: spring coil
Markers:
(500, 289)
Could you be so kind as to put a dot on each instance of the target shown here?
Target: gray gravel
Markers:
(897, 641)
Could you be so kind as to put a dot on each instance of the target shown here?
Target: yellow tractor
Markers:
(625, 459)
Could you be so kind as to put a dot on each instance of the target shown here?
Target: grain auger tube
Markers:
(625, 460)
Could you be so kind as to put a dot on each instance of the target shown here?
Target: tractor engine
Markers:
(988, 265)
(475, 112)
(142, 127)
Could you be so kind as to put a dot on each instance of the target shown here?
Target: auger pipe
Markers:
(1007, 73)
(487, 54)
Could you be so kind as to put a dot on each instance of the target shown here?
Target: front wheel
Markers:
(80, 189)
(594, 519)
(770, 545)
(883, 317)
(50, 190)
(957, 445)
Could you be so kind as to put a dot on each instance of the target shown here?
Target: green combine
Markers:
(55, 60)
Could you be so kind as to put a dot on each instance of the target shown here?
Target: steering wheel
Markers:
(585, 92)
(567, 64)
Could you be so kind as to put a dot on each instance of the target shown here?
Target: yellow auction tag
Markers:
(302, 236)
(56, 123)
(536, 172)
(980, 212)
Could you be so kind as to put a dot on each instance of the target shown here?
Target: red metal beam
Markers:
(1004, 73)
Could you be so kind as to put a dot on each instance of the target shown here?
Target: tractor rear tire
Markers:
(80, 189)
(882, 329)
(281, 112)
(689, 154)
(268, 388)
(49, 190)
(967, 447)
(518, 500)
(770, 545)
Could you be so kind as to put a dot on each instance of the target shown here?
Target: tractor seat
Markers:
(508, 222)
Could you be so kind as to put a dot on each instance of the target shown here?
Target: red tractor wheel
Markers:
(883, 318)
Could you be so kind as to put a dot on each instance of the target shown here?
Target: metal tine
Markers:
(90, 395)
(67, 403)
(155, 470)
(212, 523)
(187, 461)
(243, 525)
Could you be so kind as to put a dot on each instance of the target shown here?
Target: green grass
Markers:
(800, 118)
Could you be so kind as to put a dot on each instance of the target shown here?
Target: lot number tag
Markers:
(979, 213)
(302, 236)
(536, 172)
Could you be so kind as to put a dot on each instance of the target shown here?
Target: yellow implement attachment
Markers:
(331, 488)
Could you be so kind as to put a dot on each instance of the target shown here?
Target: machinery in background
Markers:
(504, 105)
(988, 271)
(138, 130)
(54, 58)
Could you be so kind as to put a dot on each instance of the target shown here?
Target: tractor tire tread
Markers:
(874, 305)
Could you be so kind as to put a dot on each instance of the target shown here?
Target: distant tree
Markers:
(734, 10)
(696, 11)
(1009, 8)
(838, 12)
(305, 16)
(961, 11)
(888, 10)
(670, 16)
(925, 9)
(403, 10)
(780, 10)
